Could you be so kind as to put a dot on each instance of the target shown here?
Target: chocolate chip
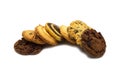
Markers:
(75, 31)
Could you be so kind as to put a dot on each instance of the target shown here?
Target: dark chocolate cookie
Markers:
(24, 47)
(93, 43)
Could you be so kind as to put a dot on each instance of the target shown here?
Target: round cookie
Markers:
(45, 36)
(31, 36)
(28, 35)
(54, 31)
(64, 32)
(93, 43)
(25, 47)
(76, 29)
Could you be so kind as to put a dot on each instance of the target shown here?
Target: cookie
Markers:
(25, 47)
(93, 43)
(76, 29)
(45, 36)
(31, 36)
(64, 32)
(54, 31)
(78, 33)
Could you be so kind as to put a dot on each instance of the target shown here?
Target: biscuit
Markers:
(93, 43)
(25, 47)
(31, 36)
(54, 31)
(64, 32)
(45, 36)
(76, 29)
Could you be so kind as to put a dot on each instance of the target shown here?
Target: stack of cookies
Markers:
(77, 33)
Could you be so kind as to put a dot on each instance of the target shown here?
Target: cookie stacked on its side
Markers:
(41, 36)
(77, 33)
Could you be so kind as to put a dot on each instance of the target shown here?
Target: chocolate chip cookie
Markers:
(25, 47)
(93, 43)
(76, 29)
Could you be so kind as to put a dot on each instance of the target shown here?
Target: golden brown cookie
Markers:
(54, 31)
(44, 35)
(64, 32)
(31, 36)
(76, 29)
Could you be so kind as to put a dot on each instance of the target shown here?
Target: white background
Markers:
(62, 62)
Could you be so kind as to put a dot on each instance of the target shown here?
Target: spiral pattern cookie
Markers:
(54, 31)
